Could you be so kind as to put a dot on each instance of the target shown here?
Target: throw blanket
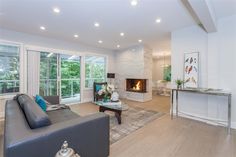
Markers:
(57, 107)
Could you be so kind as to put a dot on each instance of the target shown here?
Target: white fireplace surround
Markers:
(136, 63)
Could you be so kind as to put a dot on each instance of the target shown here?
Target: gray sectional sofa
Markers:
(31, 132)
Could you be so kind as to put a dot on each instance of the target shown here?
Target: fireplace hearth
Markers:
(136, 85)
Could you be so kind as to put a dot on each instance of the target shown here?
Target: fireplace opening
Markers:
(136, 85)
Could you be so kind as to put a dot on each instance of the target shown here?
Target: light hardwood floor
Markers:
(169, 138)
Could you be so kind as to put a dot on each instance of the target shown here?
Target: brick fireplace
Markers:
(136, 85)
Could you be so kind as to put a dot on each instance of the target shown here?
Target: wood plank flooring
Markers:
(169, 138)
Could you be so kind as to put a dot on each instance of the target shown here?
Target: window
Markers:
(70, 77)
(48, 74)
(95, 70)
(9, 69)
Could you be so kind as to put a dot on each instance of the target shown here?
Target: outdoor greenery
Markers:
(70, 77)
(94, 70)
(9, 69)
(167, 73)
(48, 74)
(69, 72)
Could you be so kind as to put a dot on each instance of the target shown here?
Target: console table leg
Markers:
(172, 102)
(229, 114)
(177, 103)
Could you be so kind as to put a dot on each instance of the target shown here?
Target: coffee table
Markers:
(111, 106)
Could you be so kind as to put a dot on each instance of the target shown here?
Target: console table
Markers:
(208, 91)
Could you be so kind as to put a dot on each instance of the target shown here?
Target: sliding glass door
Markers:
(70, 78)
(48, 74)
(60, 75)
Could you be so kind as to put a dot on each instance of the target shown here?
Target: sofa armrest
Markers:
(88, 136)
(52, 99)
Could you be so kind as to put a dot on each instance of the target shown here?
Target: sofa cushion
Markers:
(35, 116)
(41, 102)
(61, 115)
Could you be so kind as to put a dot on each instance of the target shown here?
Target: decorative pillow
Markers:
(98, 87)
(41, 102)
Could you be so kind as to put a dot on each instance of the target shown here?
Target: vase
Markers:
(179, 86)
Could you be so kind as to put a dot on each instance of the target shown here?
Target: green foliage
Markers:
(167, 73)
(70, 76)
(9, 65)
(179, 82)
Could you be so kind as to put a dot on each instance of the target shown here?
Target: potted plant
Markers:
(179, 83)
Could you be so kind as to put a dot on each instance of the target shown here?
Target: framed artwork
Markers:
(191, 69)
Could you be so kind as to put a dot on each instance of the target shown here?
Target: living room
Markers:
(118, 78)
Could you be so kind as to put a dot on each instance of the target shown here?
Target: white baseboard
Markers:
(233, 125)
(207, 120)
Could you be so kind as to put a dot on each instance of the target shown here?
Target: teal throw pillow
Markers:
(98, 87)
(41, 102)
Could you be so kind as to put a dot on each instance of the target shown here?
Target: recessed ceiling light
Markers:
(158, 20)
(134, 2)
(140, 40)
(122, 34)
(118, 46)
(100, 41)
(56, 10)
(96, 24)
(76, 35)
(42, 28)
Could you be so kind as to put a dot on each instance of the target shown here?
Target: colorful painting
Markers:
(167, 73)
(191, 69)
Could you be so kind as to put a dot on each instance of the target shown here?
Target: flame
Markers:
(137, 86)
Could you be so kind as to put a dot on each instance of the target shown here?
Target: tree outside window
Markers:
(95, 70)
(9, 69)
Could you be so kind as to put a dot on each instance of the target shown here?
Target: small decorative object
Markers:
(191, 69)
(115, 96)
(106, 92)
(66, 152)
(179, 82)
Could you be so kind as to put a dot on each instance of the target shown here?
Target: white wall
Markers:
(217, 67)
(27, 40)
(157, 69)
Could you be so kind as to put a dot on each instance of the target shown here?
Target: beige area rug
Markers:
(132, 120)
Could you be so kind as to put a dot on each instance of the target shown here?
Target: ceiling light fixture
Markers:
(118, 46)
(42, 28)
(140, 40)
(56, 10)
(96, 24)
(100, 41)
(158, 20)
(134, 2)
(122, 34)
(76, 35)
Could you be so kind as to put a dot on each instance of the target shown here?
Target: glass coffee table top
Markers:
(113, 105)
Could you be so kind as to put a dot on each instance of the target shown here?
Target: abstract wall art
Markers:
(191, 70)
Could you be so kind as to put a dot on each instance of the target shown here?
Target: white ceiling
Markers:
(114, 16)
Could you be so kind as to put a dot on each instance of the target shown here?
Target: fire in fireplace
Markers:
(136, 85)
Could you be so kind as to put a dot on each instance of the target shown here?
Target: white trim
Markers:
(210, 121)
(62, 51)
